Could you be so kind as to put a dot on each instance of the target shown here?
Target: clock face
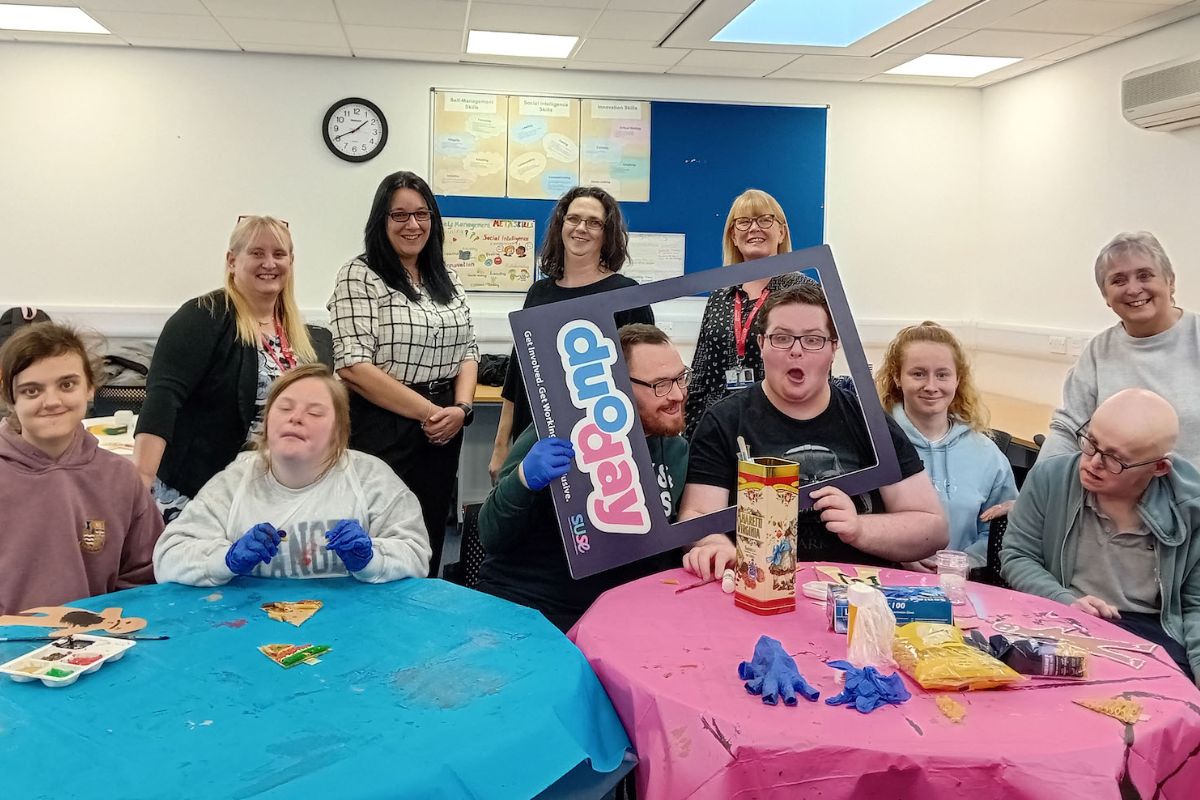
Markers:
(355, 129)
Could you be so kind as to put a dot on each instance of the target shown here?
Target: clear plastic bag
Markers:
(936, 657)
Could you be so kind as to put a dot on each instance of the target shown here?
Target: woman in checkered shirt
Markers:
(404, 343)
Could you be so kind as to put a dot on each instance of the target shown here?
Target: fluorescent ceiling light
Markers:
(813, 22)
(530, 45)
(946, 66)
(52, 19)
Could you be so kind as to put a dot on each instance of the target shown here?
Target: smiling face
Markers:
(300, 425)
(410, 237)
(797, 377)
(262, 267)
(51, 398)
(660, 416)
(757, 241)
(928, 379)
(1136, 289)
(582, 241)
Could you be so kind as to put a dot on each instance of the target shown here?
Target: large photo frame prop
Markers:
(578, 385)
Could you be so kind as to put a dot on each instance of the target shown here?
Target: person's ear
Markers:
(1162, 467)
(229, 257)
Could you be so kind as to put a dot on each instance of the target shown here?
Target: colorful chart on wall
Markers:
(543, 146)
(490, 255)
(614, 154)
(654, 256)
(470, 144)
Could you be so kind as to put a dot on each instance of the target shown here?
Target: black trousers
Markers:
(429, 470)
(1149, 627)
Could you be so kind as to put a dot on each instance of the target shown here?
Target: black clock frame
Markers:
(383, 137)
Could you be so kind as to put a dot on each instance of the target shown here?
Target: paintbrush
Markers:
(4, 640)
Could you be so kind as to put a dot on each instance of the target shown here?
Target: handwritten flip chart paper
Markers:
(470, 144)
(490, 255)
(654, 256)
(543, 147)
(614, 149)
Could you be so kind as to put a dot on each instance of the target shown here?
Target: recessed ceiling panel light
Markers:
(530, 45)
(813, 22)
(947, 66)
(50, 19)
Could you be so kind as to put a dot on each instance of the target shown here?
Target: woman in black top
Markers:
(585, 247)
(216, 359)
(727, 356)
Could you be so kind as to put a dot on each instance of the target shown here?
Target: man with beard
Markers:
(798, 414)
(525, 561)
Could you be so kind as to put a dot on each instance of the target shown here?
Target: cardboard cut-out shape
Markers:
(68, 621)
(608, 504)
(867, 575)
(296, 612)
(1104, 648)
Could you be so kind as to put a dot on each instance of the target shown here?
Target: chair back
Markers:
(465, 571)
(1003, 439)
(995, 543)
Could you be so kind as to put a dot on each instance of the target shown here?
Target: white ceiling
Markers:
(646, 36)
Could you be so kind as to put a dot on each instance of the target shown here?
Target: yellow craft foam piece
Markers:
(1128, 711)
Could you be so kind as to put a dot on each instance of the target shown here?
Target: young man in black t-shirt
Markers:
(797, 414)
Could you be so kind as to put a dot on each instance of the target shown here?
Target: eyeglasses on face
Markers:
(662, 388)
(402, 217)
(764, 221)
(1087, 445)
(283, 222)
(574, 220)
(809, 341)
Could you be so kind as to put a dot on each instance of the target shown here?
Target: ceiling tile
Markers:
(365, 37)
(754, 63)
(677, 6)
(602, 66)
(1018, 44)
(1086, 46)
(988, 12)
(644, 26)
(264, 31)
(442, 15)
(514, 61)
(520, 19)
(142, 6)
(1161, 2)
(717, 72)
(162, 26)
(68, 38)
(1004, 73)
(301, 10)
(926, 80)
(806, 66)
(296, 49)
(187, 44)
(594, 5)
(826, 77)
(403, 55)
(615, 51)
(1077, 16)
(1173, 14)
(928, 41)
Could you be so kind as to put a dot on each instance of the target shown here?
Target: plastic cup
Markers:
(124, 419)
(952, 567)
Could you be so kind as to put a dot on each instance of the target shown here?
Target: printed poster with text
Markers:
(470, 143)
(543, 147)
(490, 255)
(614, 151)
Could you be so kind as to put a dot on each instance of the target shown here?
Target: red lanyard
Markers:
(740, 332)
(286, 359)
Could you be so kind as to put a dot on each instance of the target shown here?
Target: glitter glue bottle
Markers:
(871, 626)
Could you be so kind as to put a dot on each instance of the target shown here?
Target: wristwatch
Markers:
(468, 411)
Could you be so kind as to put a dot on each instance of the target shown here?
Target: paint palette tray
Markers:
(61, 662)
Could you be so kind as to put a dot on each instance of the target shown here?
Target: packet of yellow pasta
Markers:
(936, 657)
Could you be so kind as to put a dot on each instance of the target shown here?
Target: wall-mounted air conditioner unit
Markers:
(1163, 97)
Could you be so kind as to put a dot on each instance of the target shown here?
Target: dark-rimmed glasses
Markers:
(808, 341)
(1087, 445)
(574, 220)
(764, 221)
(402, 217)
(662, 388)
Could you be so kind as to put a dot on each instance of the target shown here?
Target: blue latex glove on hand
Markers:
(256, 546)
(867, 690)
(772, 673)
(351, 543)
(548, 460)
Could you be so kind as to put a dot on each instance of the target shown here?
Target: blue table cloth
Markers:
(430, 691)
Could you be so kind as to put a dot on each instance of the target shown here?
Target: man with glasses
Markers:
(795, 412)
(1111, 530)
(525, 561)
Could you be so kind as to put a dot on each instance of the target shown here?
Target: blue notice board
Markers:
(702, 155)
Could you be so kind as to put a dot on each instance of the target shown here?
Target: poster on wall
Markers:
(609, 504)
(470, 143)
(614, 148)
(490, 255)
(654, 256)
(543, 146)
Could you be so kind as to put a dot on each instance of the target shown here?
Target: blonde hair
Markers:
(966, 407)
(341, 411)
(245, 232)
(754, 203)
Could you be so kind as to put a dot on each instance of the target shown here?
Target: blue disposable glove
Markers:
(548, 460)
(351, 543)
(867, 690)
(256, 546)
(772, 673)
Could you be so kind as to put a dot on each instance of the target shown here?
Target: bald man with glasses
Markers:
(1111, 530)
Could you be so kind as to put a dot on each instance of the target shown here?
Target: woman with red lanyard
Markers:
(214, 363)
(727, 356)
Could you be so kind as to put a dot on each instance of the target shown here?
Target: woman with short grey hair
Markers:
(1156, 345)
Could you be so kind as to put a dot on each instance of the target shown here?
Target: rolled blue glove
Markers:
(256, 546)
(867, 690)
(351, 543)
(548, 460)
(772, 673)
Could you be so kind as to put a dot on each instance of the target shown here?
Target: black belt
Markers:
(432, 387)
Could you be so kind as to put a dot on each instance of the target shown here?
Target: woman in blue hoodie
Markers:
(925, 383)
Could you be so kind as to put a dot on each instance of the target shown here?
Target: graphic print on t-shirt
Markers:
(303, 555)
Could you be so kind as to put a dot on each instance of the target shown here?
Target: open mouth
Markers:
(796, 375)
(1138, 303)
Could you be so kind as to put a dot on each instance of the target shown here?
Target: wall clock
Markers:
(355, 129)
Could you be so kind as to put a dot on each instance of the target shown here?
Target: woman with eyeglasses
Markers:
(214, 363)
(727, 356)
(585, 247)
(404, 343)
(925, 383)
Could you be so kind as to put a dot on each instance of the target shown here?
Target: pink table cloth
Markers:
(669, 662)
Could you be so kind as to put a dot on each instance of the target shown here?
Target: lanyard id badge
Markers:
(741, 377)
